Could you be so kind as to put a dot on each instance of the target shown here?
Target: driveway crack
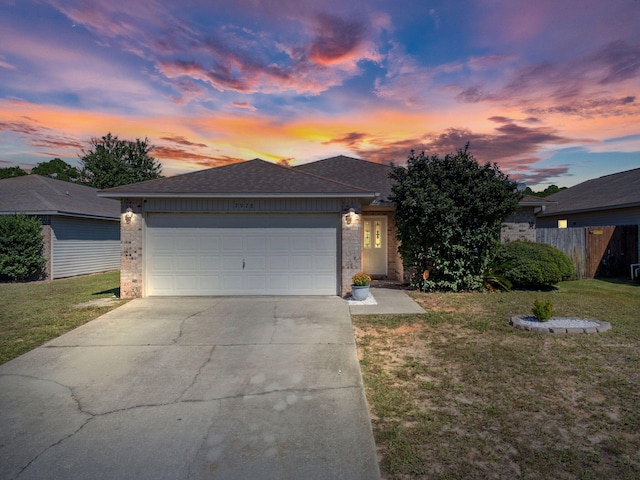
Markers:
(198, 372)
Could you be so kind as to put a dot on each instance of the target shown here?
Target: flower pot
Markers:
(359, 292)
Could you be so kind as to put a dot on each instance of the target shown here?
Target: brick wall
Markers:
(520, 226)
(131, 245)
(46, 246)
(351, 247)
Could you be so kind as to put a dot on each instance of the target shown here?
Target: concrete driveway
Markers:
(192, 388)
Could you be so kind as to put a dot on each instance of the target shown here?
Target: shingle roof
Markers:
(361, 173)
(611, 191)
(250, 178)
(533, 201)
(38, 195)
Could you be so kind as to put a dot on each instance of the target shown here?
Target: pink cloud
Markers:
(336, 39)
(512, 146)
(244, 105)
(180, 140)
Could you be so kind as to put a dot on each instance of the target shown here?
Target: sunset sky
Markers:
(548, 89)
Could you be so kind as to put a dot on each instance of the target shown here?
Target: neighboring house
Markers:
(81, 231)
(609, 200)
(522, 224)
(257, 228)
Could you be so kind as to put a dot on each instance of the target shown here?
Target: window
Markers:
(378, 232)
(367, 234)
(562, 223)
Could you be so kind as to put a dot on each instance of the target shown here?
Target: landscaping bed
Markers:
(459, 393)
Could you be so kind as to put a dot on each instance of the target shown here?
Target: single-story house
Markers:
(81, 231)
(257, 228)
(608, 200)
(522, 224)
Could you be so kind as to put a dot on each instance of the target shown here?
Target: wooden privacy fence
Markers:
(605, 251)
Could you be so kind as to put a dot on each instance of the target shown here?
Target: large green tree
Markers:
(449, 214)
(11, 172)
(57, 168)
(111, 162)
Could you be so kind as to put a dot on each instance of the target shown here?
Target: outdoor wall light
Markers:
(128, 215)
(349, 216)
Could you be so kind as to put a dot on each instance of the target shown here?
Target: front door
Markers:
(374, 245)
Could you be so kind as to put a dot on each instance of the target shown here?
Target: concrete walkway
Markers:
(390, 301)
(192, 388)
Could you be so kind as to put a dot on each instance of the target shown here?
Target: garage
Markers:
(244, 254)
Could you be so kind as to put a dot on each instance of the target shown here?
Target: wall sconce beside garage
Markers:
(350, 216)
(128, 215)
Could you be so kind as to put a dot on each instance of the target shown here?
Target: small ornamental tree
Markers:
(449, 214)
(20, 247)
(111, 162)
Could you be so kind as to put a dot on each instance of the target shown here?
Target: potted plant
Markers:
(360, 286)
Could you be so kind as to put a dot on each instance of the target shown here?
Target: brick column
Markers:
(131, 273)
(351, 246)
(47, 251)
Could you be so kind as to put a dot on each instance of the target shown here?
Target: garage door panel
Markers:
(209, 282)
(209, 243)
(194, 260)
(232, 263)
(162, 263)
(210, 263)
(231, 283)
(278, 243)
(256, 243)
(323, 243)
(231, 243)
(302, 263)
(276, 263)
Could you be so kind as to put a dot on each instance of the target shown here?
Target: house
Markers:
(609, 200)
(81, 231)
(522, 224)
(257, 228)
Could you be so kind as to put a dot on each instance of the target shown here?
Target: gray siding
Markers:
(248, 205)
(618, 216)
(81, 246)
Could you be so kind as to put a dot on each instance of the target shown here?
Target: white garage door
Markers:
(203, 254)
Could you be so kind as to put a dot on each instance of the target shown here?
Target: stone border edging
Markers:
(528, 323)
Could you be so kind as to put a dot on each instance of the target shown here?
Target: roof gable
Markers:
(39, 195)
(610, 191)
(251, 178)
(361, 173)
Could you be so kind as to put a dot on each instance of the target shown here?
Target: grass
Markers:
(458, 393)
(34, 313)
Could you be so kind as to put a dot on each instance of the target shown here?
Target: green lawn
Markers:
(34, 313)
(458, 393)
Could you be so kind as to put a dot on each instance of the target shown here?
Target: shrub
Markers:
(360, 280)
(542, 311)
(20, 247)
(533, 265)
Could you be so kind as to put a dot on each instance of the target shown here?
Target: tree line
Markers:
(107, 162)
